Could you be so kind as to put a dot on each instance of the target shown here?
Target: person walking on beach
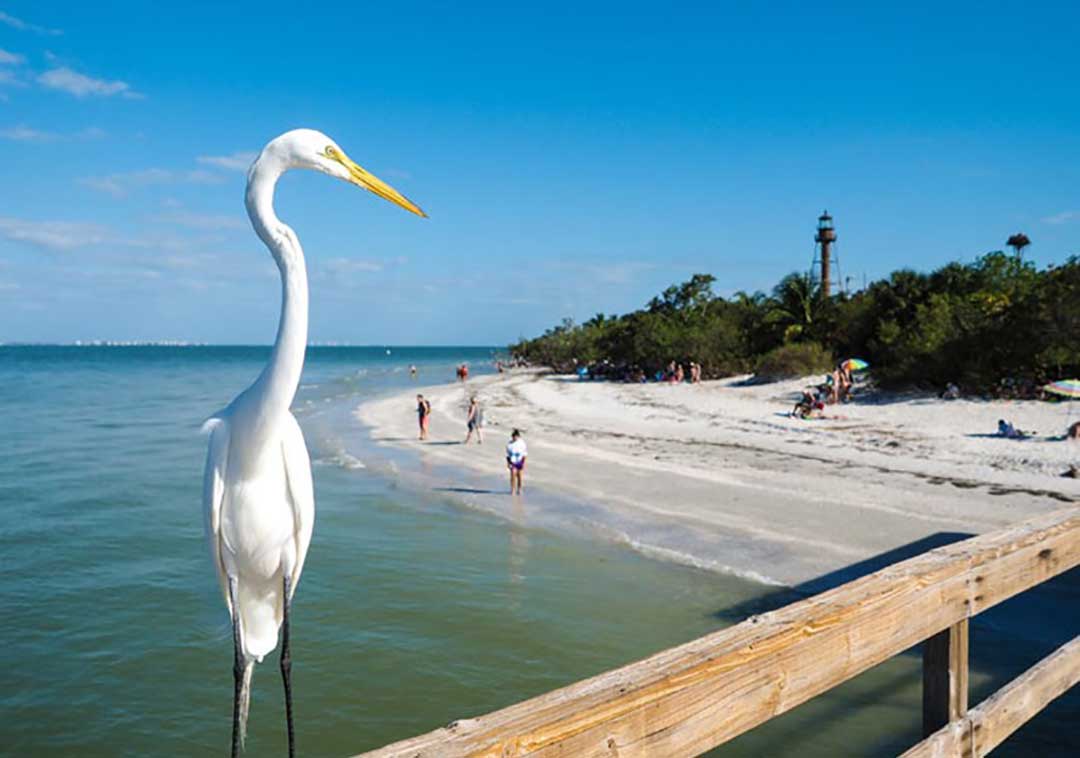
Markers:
(423, 412)
(474, 421)
(516, 452)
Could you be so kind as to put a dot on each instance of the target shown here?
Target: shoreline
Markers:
(715, 475)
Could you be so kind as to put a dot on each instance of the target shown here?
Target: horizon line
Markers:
(185, 343)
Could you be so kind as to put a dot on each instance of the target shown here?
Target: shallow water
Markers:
(414, 610)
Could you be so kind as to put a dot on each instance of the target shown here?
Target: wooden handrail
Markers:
(691, 698)
(987, 725)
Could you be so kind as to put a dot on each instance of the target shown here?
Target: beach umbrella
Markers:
(1064, 388)
(856, 364)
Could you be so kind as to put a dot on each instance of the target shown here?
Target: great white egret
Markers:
(257, 493)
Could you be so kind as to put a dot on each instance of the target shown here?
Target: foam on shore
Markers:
(718, 476)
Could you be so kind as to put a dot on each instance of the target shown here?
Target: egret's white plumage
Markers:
(257, 491)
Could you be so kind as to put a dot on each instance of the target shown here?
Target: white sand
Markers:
(719, 475)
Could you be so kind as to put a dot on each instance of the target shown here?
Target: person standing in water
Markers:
(423, 412)
(474, 421)
(516, 452)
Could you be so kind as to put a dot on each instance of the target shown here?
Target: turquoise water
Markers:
(414, 610)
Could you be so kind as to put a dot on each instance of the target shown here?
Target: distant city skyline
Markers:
(573, 159)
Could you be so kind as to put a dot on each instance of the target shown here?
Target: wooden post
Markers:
(945, 677)
(988, 724)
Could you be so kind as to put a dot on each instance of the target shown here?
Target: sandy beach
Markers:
(718, 475)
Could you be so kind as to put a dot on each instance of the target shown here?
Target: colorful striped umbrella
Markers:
(855, 364)
(1064, 387)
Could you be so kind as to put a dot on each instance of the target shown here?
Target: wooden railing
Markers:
(688, 699)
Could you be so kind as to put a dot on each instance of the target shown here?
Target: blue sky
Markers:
(574, 158)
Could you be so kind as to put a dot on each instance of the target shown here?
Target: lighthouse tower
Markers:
(824, 239)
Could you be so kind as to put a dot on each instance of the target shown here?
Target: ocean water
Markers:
(414, 609)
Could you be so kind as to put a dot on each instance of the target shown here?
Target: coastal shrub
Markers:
(797, 359)
(992, 322)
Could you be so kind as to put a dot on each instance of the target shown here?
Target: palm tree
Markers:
(795, 299)
(1018, 242)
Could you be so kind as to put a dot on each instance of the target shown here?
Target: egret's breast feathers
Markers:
(256, 526)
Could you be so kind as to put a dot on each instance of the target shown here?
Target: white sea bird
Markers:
(257, 492)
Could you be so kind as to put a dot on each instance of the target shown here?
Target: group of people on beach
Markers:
(837, 388)
(1010, 431)
(516, 449)
(675, 373)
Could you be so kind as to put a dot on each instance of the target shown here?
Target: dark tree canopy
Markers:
(978, 324)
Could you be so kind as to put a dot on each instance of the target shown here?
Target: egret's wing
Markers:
(301, 492)
(217, 458)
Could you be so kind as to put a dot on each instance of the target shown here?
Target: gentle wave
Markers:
(341, 460)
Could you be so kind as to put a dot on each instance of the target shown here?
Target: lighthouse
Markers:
(825, 237)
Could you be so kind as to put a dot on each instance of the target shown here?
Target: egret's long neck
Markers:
(277, 385)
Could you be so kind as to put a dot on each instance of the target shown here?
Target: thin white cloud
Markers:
(23, 133)
(51, 235)
(10, 79)
(81, 85)
(622, 272)
(121, 184)
(199, 176)
(160, 241)
(188, 262)
(25, 26)
(9, 58)
(338, 266)
(238, 161)
(203, 221)
(1062, 218)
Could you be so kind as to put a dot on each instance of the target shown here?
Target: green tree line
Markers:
(998, 319)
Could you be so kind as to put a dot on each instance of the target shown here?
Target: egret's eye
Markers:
(330, 151)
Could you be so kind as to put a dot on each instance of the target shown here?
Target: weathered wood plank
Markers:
(987, 725)
(945, 677)
(687, 699)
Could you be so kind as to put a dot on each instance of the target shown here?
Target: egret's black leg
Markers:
(238, 670)
(286, 668)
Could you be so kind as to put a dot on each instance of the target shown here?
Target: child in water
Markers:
(516, 452)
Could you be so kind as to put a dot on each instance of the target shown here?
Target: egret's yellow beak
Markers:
(374, 184)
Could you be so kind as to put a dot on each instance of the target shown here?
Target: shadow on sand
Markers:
(785, 595)
(469, 490)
